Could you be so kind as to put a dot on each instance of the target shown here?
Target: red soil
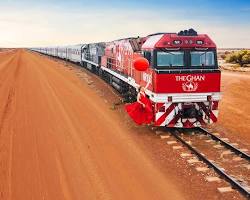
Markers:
(59, 140)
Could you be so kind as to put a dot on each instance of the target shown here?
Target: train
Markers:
(184, 77)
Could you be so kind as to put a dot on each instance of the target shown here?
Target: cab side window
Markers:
(147, 55)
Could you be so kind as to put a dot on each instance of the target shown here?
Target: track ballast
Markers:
(239, 185)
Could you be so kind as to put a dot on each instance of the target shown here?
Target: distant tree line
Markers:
(240, 57)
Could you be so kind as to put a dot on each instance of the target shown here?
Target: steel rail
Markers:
(218, 170)
(226, 144)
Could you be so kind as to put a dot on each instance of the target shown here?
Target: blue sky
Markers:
(54, 22)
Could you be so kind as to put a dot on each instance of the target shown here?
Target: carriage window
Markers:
(170, 59)
(202, 58)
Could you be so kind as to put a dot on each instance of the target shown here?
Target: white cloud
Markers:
(34, 27)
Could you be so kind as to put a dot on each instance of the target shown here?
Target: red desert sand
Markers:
(58, 139)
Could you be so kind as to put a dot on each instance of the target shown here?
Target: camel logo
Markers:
(190, 82)
(189, 86)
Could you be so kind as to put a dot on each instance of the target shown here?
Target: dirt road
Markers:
(234, 117)
(58, 139)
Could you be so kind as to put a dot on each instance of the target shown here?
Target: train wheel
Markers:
(131, 95)
(100, 73)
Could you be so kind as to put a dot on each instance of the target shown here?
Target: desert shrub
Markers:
(241, 57)
(223, 56)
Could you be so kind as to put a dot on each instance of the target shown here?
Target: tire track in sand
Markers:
(8, 79)
(11, 93)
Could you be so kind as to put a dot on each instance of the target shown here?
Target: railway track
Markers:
(232, 168)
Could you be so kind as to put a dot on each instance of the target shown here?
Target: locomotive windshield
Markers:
(202, 58)
(186, 59)
(170, 59)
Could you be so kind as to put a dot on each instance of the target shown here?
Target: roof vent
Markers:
(189, 32)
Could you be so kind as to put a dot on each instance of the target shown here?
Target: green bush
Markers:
(240, 57)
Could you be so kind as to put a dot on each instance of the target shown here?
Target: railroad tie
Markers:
(184, 155)
(164, 136)
(193, 160)
(202, 169)
(177, 147)
(225, 189)
(213, 179)
(171, 142)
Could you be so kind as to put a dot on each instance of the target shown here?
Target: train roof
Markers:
(184, 39)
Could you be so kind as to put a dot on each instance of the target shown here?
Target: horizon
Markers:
(55, 23)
